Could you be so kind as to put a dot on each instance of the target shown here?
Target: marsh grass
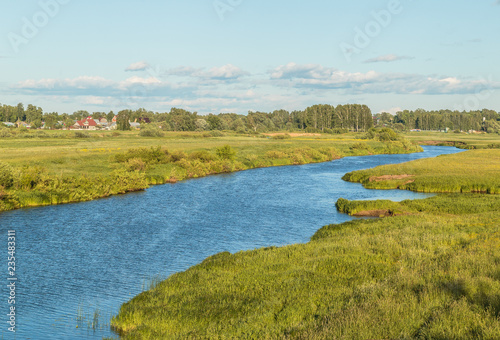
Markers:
(466, 172)
(92, 318)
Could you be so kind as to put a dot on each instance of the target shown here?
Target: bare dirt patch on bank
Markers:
(389, 178)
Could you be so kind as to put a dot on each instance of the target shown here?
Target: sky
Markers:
(220, 56)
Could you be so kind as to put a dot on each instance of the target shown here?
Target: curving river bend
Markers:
(73, 260)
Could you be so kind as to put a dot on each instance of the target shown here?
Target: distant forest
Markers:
(317, 118)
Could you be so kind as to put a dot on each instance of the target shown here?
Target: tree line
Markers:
(479, 120)
(317, 118)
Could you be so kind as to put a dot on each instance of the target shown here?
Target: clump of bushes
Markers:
(384, 135)
(202, 155)
(151, 131)
(152, 155)
(135, 164)
(285, 136)
(6, 175)
(81, 134)
(216, 133)
(225, 152)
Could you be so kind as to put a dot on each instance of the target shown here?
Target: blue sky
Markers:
(240, 55)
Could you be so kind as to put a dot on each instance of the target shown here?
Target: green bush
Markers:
(152, 155)
(6, 175)
(82, 134)
(150, 131)
(135, 164)
(225, 152)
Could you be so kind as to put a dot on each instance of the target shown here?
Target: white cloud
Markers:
(388, 58)
(228, 71)
(318, 77)
(139, 66)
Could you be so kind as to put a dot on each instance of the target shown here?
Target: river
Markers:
(77, 263)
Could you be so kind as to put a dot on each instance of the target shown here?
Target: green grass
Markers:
(430, 272)
(467, 172)
(461, 140)
(57, 167)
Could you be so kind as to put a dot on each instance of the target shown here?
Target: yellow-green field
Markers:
(54, 167)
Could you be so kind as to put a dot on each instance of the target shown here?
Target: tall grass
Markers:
(467, 172)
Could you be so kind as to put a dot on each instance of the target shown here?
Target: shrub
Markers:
(387, 134)
(202, 155)
(135, 164)
(177, 156)
(152, 155)
(30, 177)
(285, 136)
(225, 152)
(339, 131)
(6, 175)
(82, 134)
(151, 132)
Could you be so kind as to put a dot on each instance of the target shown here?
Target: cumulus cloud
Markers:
(388, 58)
(139, 66)
(225, 72)
(318, 77)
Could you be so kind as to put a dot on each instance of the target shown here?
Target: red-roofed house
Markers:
(86, 124)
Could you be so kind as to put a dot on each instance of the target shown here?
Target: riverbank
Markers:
(57, 168)
(427, 272)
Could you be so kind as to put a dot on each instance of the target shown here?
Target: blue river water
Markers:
(77, 263)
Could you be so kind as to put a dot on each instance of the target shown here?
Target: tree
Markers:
(225, 152)
(214, 122)
(123, 120)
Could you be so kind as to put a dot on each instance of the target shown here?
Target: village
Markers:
(88, 123)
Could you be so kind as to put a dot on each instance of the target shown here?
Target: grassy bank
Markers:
(466, 172)
(55, 167)
(461, 140)
(431, 271)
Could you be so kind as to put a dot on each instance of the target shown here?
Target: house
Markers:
(9, 124)
(22, 124)
(135, 125)
(86, 124)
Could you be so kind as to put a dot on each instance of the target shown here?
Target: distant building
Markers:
(9, 124)
(135, 125)
(86, 124)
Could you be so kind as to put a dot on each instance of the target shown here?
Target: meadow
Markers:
(55, 167)
(430, 271)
